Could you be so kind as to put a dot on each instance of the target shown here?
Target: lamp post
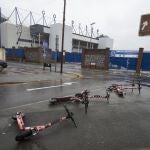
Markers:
(62, 44)
(91, 34)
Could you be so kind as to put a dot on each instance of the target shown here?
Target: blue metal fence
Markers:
(146, 62)
(73, 57)
(69, 57)
(118, 59)
(122, 63)
(128, 60)
(15, 53)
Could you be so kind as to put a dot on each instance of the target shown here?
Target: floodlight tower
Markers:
(91, 34)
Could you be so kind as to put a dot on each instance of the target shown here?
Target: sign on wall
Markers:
(144, 25)
(124, 53)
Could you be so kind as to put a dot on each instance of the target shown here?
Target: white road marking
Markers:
(49, 87)
(3, 133)
(29, 104)
(42, 101)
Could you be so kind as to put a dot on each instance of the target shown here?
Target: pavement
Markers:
(21, 73)
(18, 73)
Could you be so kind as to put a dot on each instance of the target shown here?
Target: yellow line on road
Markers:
(73, 75)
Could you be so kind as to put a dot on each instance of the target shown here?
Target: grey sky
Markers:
(118, 19)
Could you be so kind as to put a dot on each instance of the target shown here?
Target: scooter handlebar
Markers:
(70, 115)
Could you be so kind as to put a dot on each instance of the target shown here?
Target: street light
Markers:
(62, 44)
(91, 34)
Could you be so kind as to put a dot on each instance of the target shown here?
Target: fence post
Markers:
(139, 61)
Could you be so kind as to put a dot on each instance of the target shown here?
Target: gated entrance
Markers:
(95, 58)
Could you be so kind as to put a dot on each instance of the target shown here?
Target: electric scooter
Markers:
(27, 132)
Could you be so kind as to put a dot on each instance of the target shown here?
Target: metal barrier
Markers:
(73, 57)
(15, 54)
(123, 59)
(122, 63)
(146, 61)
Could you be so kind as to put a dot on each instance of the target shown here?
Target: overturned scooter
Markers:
(120, 89)
(78, 98)
(32, 131)
(82, 98)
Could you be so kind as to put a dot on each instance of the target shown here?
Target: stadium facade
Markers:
(37, 35)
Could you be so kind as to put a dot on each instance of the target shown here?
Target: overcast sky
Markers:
(119, 19)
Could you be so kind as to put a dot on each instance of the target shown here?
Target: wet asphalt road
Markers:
(123, 124)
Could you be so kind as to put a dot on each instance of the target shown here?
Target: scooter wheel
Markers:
(79, 95)
(52, 101)
(24, 134)
(121, 95)
(14, 117)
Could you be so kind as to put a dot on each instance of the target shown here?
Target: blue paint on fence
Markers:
(15, 53)
(118, 59)
(69, 57)
(19, 53)
(122, 63)
(146, 61)
(72, 57)
(56, 55)
(129, 63)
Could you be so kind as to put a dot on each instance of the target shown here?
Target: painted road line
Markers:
(49, 87)
(74, 74)
(29, 104)
(42, 101)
